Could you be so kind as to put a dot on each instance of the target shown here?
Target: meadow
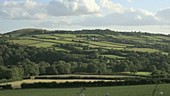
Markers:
(139, 90)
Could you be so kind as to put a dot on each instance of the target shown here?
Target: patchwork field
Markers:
(48, 40)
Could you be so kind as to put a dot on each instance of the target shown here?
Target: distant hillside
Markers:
(105, 39)
(42, 52)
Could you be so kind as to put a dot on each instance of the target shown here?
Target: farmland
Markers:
(51, 59)
(91, 40)
(92, 51)
(139, 90)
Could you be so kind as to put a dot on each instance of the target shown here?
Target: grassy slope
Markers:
(140, 90)
(47, 40)
(143, 50)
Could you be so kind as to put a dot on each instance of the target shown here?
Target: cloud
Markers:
(127, 17)
(130, 0)
(72, 7)
(114, 7)
(119, 15)
(52, 24)
(26, 9)
(164, 16)
(32, 9)
(81, 12)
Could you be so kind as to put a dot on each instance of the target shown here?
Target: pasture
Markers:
(48, 40)
(114, 56)
(139, 90)
(143, 50)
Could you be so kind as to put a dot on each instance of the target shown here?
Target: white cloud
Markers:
(28, 9)
(72, 7)
(164, 16)
(128, 18)
(119, 15)
(114, 7)
(32, 9)
(86, 12)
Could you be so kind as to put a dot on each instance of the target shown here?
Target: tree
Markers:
(81, 67)
(152, 68)
(63, 67)
(132, 68)
(43, 67)
(1, 60)
(5, 73)
(51, 70)
(102, 69)
(30, 68)
(92, 68)
(159, 74)
(17, 72)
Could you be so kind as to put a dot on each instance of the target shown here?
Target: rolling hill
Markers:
(42, 52)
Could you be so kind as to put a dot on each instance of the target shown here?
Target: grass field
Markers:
(113, 56)
(139, 90)
(25, 42)
(143, 50)
(48, 40)
(141, 73)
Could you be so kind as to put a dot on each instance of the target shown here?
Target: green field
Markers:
(25, 42)
(143, 50)
(140, 73)
(113, 56)
(139, 90)
(48, 40)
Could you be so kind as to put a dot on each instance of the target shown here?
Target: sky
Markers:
(121, 15)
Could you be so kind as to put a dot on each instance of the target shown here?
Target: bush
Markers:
(6, 86)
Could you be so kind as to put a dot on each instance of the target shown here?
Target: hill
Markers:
(104, 39)
(42, 52)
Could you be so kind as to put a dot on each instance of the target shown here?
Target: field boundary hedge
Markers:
(93, 84)
(8, 86)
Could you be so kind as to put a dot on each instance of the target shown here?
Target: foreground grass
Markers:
(140, 90)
